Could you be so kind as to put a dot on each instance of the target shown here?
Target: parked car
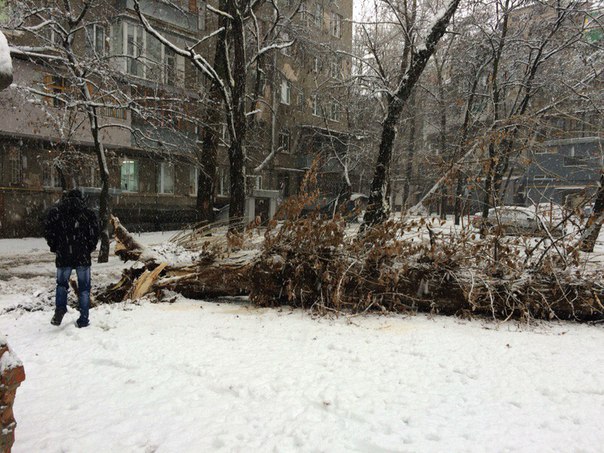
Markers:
(517, 220)
(350, 210)
(550, 212)
(588, 209)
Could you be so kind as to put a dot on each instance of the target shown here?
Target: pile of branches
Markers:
(310, 261)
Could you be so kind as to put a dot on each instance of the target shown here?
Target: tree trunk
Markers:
(237, 206)
(238, 123)
(208, 162)
(410, 153)
(206, 180)
(459, 195)
(443, 205)
(378, 208)
(488, 190)
(442, 137)
(104, 211)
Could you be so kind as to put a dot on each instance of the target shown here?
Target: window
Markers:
(316, 108)
(334, 111)
(223, 181)
(284, 143)
(253, 182)
(318, 15)
(16, 166)
(94, 176)
(335, 25)
(54, 85)
(129, 176)
(155, 60)
(334, 68)
(112, 112)
(50, 175)
(56, 39)
(286, 91)
(201, 16)
(134, 39)
(8, 13)
(193, 174)
(165, 183)
(541, 177)
(95, 39)
(108, 111)
(316, 68)
(301, 99)
(169, 66)
(575, 161)
(180, 71)
(285, 38)
(304, 14)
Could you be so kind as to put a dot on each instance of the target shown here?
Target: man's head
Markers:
(75, 193)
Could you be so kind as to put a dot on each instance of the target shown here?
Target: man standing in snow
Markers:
(72, 232)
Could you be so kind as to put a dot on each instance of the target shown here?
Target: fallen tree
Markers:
(213, 272)
(311, 262)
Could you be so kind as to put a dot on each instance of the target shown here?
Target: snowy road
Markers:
(198, 376)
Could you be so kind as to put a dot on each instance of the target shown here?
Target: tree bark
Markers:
(238, 123)
(378, 208)
(208, 162)
(488, 190)
(104, 210)
(442, 133)
(459, 197)
(410, 153)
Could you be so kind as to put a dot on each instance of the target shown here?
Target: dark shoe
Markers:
(58, 316)
(82, 323)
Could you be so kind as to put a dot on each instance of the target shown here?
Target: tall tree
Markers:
(241, 39)
(413, 60)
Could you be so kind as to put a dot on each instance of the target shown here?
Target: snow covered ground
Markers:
(204, 376)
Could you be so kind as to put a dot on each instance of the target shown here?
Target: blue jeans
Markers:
(63, 274)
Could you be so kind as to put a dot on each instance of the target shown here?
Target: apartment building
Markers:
(564, 162)
(151, 136)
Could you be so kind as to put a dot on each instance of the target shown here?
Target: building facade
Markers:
(150, 114)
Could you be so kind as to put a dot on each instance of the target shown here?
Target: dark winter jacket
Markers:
(71, 231)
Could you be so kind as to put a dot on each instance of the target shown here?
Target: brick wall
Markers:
(12, 374)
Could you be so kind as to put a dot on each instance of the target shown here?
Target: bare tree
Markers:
(397, 90)
(525, 72)
(247, 31)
